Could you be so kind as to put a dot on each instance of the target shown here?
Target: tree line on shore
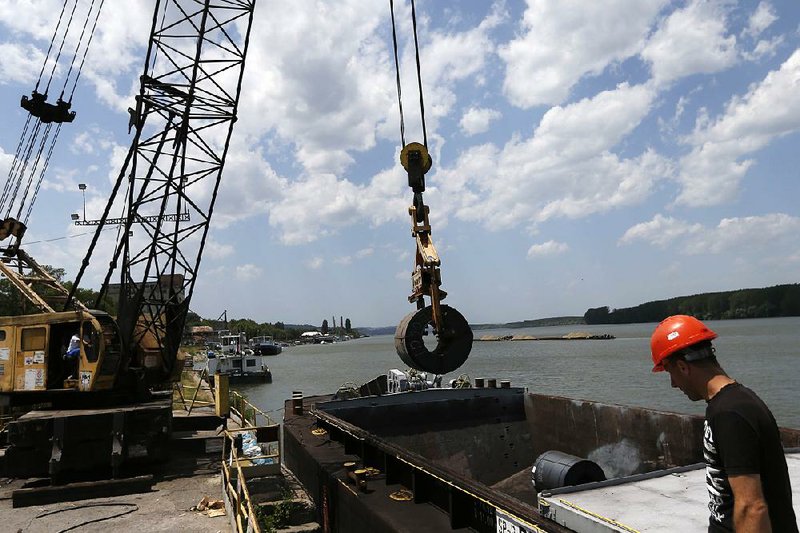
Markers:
(779, 300)
(277, 330)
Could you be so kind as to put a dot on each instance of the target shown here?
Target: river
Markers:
(760, 353)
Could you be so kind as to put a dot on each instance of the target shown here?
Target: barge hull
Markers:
(463, 457)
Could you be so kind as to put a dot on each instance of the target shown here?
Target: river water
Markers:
(761, 353)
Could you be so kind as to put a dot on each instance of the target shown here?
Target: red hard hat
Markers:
(674, 334)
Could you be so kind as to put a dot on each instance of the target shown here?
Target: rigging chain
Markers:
(48, 114)
(454, 336)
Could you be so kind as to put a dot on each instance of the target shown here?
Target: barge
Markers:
(462, 459)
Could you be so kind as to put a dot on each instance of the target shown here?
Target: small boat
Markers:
(265, 346)
(246, 367)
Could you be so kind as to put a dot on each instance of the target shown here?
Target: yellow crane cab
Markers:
(33, 352)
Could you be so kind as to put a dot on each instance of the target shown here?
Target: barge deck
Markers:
(461, 459)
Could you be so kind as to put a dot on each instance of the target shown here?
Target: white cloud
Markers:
(325, 88)
(19, 63)
(764, 48)
(91, 141)
(477, 120)
(315, 263)
(248, 272)
(547, 248)
(690, 41)
(566, 169)
(710, 174)
(321, 205)
(761, 19)
(364, 252)
(563, 40)
(661, 231)
(217, 250)
(738, 233)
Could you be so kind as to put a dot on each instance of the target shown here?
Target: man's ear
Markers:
(683, 366)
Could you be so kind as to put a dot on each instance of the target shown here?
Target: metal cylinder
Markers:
(479, 383)
(505, 384)
(491, 383)
(554, 469)
(454, 340)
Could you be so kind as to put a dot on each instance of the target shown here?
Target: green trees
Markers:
(347, 327)
(325, 327)
(780, 300)
(12, 303)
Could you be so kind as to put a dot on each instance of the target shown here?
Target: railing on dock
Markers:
(239, 463)
(247, 412)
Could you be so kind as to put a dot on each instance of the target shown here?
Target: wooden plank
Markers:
(81, 491)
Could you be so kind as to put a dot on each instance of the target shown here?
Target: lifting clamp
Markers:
(453, 333)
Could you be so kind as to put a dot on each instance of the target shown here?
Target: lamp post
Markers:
(82, 187)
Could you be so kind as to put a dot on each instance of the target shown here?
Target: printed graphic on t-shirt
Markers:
(720, 501)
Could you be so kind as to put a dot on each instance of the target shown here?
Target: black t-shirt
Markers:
(741, 437)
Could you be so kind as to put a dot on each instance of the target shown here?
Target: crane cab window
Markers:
(251, 362)
(33, 339)
(90, 340)
(2, 335)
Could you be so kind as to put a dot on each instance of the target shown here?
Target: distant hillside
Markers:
(780, 300)
(536, 323)
(540, 322)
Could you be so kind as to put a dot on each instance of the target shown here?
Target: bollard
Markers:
(222, 406)
(479, 383)
(491, 383)
(297, 402)
(505, 384)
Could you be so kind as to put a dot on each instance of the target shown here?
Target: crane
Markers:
(181, 122)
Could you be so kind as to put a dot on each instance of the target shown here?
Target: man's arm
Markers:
(750, 512)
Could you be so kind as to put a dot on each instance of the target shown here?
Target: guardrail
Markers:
(243, 456)
(247, 412)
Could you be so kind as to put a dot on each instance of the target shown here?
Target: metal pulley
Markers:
(454, 340)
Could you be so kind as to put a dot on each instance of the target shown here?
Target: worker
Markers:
(746, 473)
(74, 348)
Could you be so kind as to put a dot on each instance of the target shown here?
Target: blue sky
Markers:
(585, 153)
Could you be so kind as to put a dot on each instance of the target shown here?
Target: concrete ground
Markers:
(168, 507)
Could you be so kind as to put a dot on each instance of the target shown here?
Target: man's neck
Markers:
(716, 384)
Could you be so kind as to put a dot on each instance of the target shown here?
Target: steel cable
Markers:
(78, 48)
(50, 48)
(397, 72)
(419, 75)
(35, 166)
(15, 163)
(86, 51)
(41, 175)
(60, 48)
(23, 169)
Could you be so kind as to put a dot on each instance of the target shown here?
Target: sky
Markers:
(584, 153)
